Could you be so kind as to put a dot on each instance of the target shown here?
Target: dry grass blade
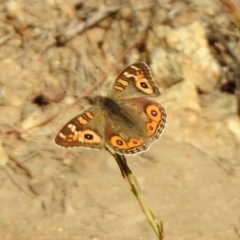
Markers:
(5, 38)
(16, 182)
(135, 188)
(233, 7)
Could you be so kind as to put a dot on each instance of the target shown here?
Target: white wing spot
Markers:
(61, 135)
(128, 75)
(134, 68)
(73, 128)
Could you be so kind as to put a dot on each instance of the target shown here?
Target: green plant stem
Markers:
(134, 186)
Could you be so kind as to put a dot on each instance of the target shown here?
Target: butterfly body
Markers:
(126, 120)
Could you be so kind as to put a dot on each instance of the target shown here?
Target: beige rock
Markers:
(165, 67)
(181, 95)
(221, 103)
(194, 57)
(14, 9)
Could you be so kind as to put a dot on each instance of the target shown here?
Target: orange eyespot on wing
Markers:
(151, 128)
(78, 138)
(133, 142)
(154, 113)
(118, 142)
(144, 85)
(133, 145)
(157, 116)
(89, 136)
(141, 82)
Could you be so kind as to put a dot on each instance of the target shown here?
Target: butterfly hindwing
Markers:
(155, 114)
(143, 122)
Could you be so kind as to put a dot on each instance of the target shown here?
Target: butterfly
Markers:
(126, 121)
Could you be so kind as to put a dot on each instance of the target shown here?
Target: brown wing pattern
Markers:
(134, 81)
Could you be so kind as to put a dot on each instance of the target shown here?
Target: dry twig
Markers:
(92, 21)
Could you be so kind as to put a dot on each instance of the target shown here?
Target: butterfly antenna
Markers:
(74, 94)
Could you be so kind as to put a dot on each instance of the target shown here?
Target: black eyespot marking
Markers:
(135, 142)
(88, 136)
(143, 85)
(154, 113)
(150, 128)
(119, 142)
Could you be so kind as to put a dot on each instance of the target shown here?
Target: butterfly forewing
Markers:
(134, 81)
(83, 130)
